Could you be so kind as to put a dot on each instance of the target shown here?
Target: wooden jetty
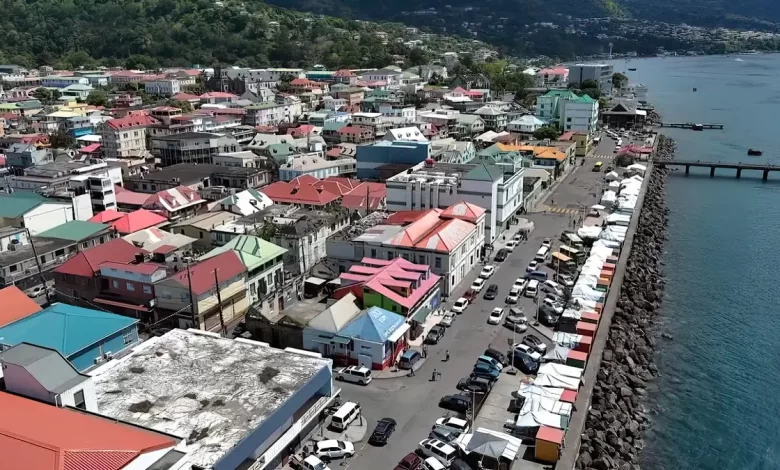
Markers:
(764, 169)
(692, 126)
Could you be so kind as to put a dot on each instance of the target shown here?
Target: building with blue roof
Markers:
(371, 157)
(84, 336)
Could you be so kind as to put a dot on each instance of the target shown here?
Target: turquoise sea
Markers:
(716, 405)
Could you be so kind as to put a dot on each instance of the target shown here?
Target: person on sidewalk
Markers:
(433, 375)
(447, 355)
(411, 371)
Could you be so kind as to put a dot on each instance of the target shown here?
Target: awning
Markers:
(399, 332)
(114, 303)
(316, 281)
(561, 257)
(335, 339)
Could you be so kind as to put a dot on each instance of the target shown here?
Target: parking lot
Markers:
(412, 401)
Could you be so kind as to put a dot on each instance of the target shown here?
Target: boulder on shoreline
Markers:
(615, 423)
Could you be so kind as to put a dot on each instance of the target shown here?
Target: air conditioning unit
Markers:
(98, 360)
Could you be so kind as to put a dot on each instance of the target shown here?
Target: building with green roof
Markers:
(33, 211)
(76, 231)
(568, 111)
(263, 261)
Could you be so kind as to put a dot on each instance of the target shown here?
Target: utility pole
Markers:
(192, 299)
(38, 263)
(219, 303)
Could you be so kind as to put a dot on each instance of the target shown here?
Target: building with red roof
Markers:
(217, 97)
(125, 137)
(396, 285)
(127, 223)
(175, 203)
(449, 240)
(302, 195)
(310, 192)
(16, 305)
(356, 134)
(174, 295)
(129, 200)
(38, 436)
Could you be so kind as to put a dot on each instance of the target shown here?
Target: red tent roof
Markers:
(35, 435)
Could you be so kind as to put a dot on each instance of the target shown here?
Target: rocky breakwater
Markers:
(613, 429)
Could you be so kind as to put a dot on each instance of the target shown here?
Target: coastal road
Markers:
(413, 401)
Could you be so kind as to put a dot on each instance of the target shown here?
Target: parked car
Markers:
(382, 432)
(510, 246)
(487, 271)
(478, 284)
(548, 318)
(447, 320)
(490, 360)
(524, 362)
(501, 255)
(460, 305)
(443, 434)
(436, 334)
(474, 384)
(518, 322)
(355, 374)
(565, 280)
(535, 342)
(550, 305)
(333, 449)
(496, 354)
(491, 292)
(412, 461)
(313, 462)
(36, 291)
(547, 242)
(485, 370)
(530, 351)
(532, 266)
(495, 316)
(409, 359)
(520, 283)
(552, 287)
(518, 237)
(456, 424)
(432, 463)
(443, 452)
(459, 403)
(513, 296)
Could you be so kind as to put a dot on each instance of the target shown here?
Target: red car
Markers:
(470, 295)
(410, 462)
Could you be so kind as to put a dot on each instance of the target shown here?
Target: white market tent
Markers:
(557, 380)
(591, 232)
(608, 198)
(493, 444)
(569, 340)
(618, 219)
(612, 176)
(636, 167)
(559, 354)
(614, 186)
(528, 389)
(561, 369)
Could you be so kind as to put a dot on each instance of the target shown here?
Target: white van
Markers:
(432, 464)
(437, 449)
(532, 288)
(345, 415)
(355, 374)
(541, 255)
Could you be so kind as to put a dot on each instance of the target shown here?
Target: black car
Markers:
(497, 355)
(384, 428)
(524, 362)
(459, 403)
(436, 333)
(535, 343)
(548, 318)
(501, 255)
(474, 384)
(491, 292)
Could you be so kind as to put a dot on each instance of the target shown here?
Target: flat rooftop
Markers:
(210, 391)
(191, 174)
(43, 245)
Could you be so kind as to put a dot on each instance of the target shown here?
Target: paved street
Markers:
(413, 401)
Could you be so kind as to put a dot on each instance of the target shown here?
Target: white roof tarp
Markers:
(637, 167)
(586, 292)
(608, 198)
(590, 232)
(612, 176)
(559, 381)
(561, 369)
(569, 340)
(618, 219)
(560, 353)
(529, 389)
(608, 244)
(614, 185)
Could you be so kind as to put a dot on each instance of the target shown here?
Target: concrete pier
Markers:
(765, 169)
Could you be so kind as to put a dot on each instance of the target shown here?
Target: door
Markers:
(364, 361)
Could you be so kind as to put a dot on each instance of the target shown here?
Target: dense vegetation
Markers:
(150, 33)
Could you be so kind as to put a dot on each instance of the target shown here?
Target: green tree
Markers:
(546, 132)
(417, 57)
(141, 62)
(97, 98)
(185, 106)
(585, 84)
(44, 95)
(619, 80)
(594, 93)
(60, 139)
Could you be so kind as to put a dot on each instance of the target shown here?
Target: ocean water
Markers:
(716, 404)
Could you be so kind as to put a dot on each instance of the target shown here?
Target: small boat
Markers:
(632, 70)
(694, 89)
(755, 153)
(698, 127)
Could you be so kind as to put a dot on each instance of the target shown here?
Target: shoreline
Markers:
(612, 437)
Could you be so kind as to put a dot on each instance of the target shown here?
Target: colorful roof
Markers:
(131, 121)
(16, 305)
(347, 130)
(217, 94)
(75, 230)
(108, 215)
(137, 220)
(36, 435)
(18, 203)
(538, 151)
(484, 172)
(464, 211)
(173, 199)
(253, 251)
(185, 97)
(401, 281)
(292, 193)
(375, 325)
(65, 328)
(227, 264)
(91, 148)
(87, 263)
(130, 198)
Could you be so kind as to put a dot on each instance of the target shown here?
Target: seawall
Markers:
(605, 430)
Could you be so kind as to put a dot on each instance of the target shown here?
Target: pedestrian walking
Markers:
(411, 371)
(433, 375)
(447, 355)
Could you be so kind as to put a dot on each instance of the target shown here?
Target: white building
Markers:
(405, 134)
(601, 73)
(390, 76)
(316, 166)
(497, 189)
(100, 187)
(163, 86)
(272, 114)
(407, 113)
(58, 81)
(527, 124)
(125, 137)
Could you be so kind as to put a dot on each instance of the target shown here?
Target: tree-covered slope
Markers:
(183, 32)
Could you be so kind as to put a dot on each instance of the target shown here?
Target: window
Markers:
(184, 297)
(437, 262)
(130, 286)
(127, 337)
(85, 245)
(78, 398)
(43, 259)
(62, 251)
(147, 289)
(115, 283)
(373, 253)
(12, 268)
